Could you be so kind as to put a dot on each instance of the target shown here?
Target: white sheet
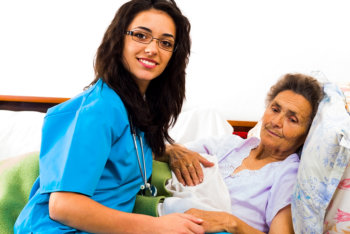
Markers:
(212, 194)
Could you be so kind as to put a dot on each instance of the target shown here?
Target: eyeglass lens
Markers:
(146, 38)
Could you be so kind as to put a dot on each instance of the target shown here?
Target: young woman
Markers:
(96, 151)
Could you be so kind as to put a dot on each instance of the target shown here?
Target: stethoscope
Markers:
(145, 186)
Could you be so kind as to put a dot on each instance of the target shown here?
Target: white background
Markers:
(239, 48)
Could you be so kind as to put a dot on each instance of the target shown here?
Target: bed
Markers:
(321, 200)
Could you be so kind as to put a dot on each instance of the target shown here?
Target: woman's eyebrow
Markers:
(144, 28)
(168, 35)
(292, 113)
(150, 31)
(275, 103)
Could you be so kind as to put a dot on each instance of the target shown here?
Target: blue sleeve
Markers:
(76, 145)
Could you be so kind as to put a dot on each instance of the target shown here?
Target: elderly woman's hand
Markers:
(218, 221)
(213, 221)
(186, 164)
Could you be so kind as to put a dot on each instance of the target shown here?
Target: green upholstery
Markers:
(161, 173)
(147, 204)
(17, 176)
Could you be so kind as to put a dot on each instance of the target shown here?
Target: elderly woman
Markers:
(259, 173)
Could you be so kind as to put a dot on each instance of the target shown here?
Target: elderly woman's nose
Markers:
(277, 120)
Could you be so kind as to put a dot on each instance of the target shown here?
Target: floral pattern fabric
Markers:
(337, 218)
(324, 159)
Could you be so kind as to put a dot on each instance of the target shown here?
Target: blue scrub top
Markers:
(86, 148)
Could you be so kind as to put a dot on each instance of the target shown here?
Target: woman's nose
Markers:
(152, 47)
(278, 120)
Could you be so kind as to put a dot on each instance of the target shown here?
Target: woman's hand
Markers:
(178, 223)
(186, 164)
(217, 221)
(213, 221)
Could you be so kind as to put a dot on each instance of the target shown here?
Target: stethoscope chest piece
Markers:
(149, 189)
(153, 190)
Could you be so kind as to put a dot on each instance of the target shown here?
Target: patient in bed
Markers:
(251, 191)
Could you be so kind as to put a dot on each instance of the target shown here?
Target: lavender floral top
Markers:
(256, 195)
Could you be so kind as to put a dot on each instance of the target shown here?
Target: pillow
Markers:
(20, 132)
(255, 131)
(324, 158)
(338, 212)
(197, 123)
(345, 87)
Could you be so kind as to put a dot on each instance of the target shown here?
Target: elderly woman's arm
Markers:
(221, 221)
(282, 222)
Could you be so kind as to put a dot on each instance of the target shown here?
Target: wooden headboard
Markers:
(41, 104)
(28, 103)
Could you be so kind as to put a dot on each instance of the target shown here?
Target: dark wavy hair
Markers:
(301, 84)
(164, 97)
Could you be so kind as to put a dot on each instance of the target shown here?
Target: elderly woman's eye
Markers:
(274, 109)
(293, 120)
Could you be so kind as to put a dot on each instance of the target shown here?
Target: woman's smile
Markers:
(148, 63)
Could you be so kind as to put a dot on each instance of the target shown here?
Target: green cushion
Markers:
(148, 204)
(17, 176)
(161, 173)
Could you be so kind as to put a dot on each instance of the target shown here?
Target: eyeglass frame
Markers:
(131, 33)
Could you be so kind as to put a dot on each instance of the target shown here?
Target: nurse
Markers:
(96, 150)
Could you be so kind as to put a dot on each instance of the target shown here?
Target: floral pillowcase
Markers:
(337, 218)
(321, 197)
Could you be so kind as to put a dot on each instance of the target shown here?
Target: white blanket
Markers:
(212, 194)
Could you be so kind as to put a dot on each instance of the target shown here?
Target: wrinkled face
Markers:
(147, 61)
(285, 123)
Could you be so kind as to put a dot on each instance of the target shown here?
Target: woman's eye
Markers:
(140, 35)
(293, 120)
(167, 44)
(274, 109)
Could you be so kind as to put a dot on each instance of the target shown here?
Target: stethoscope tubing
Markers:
(151, 188)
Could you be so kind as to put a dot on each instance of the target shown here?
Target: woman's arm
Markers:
(215, 221)
(81, 212)
(222, 221)
(282, 222)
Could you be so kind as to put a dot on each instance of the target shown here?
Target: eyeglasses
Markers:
(146, 38)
